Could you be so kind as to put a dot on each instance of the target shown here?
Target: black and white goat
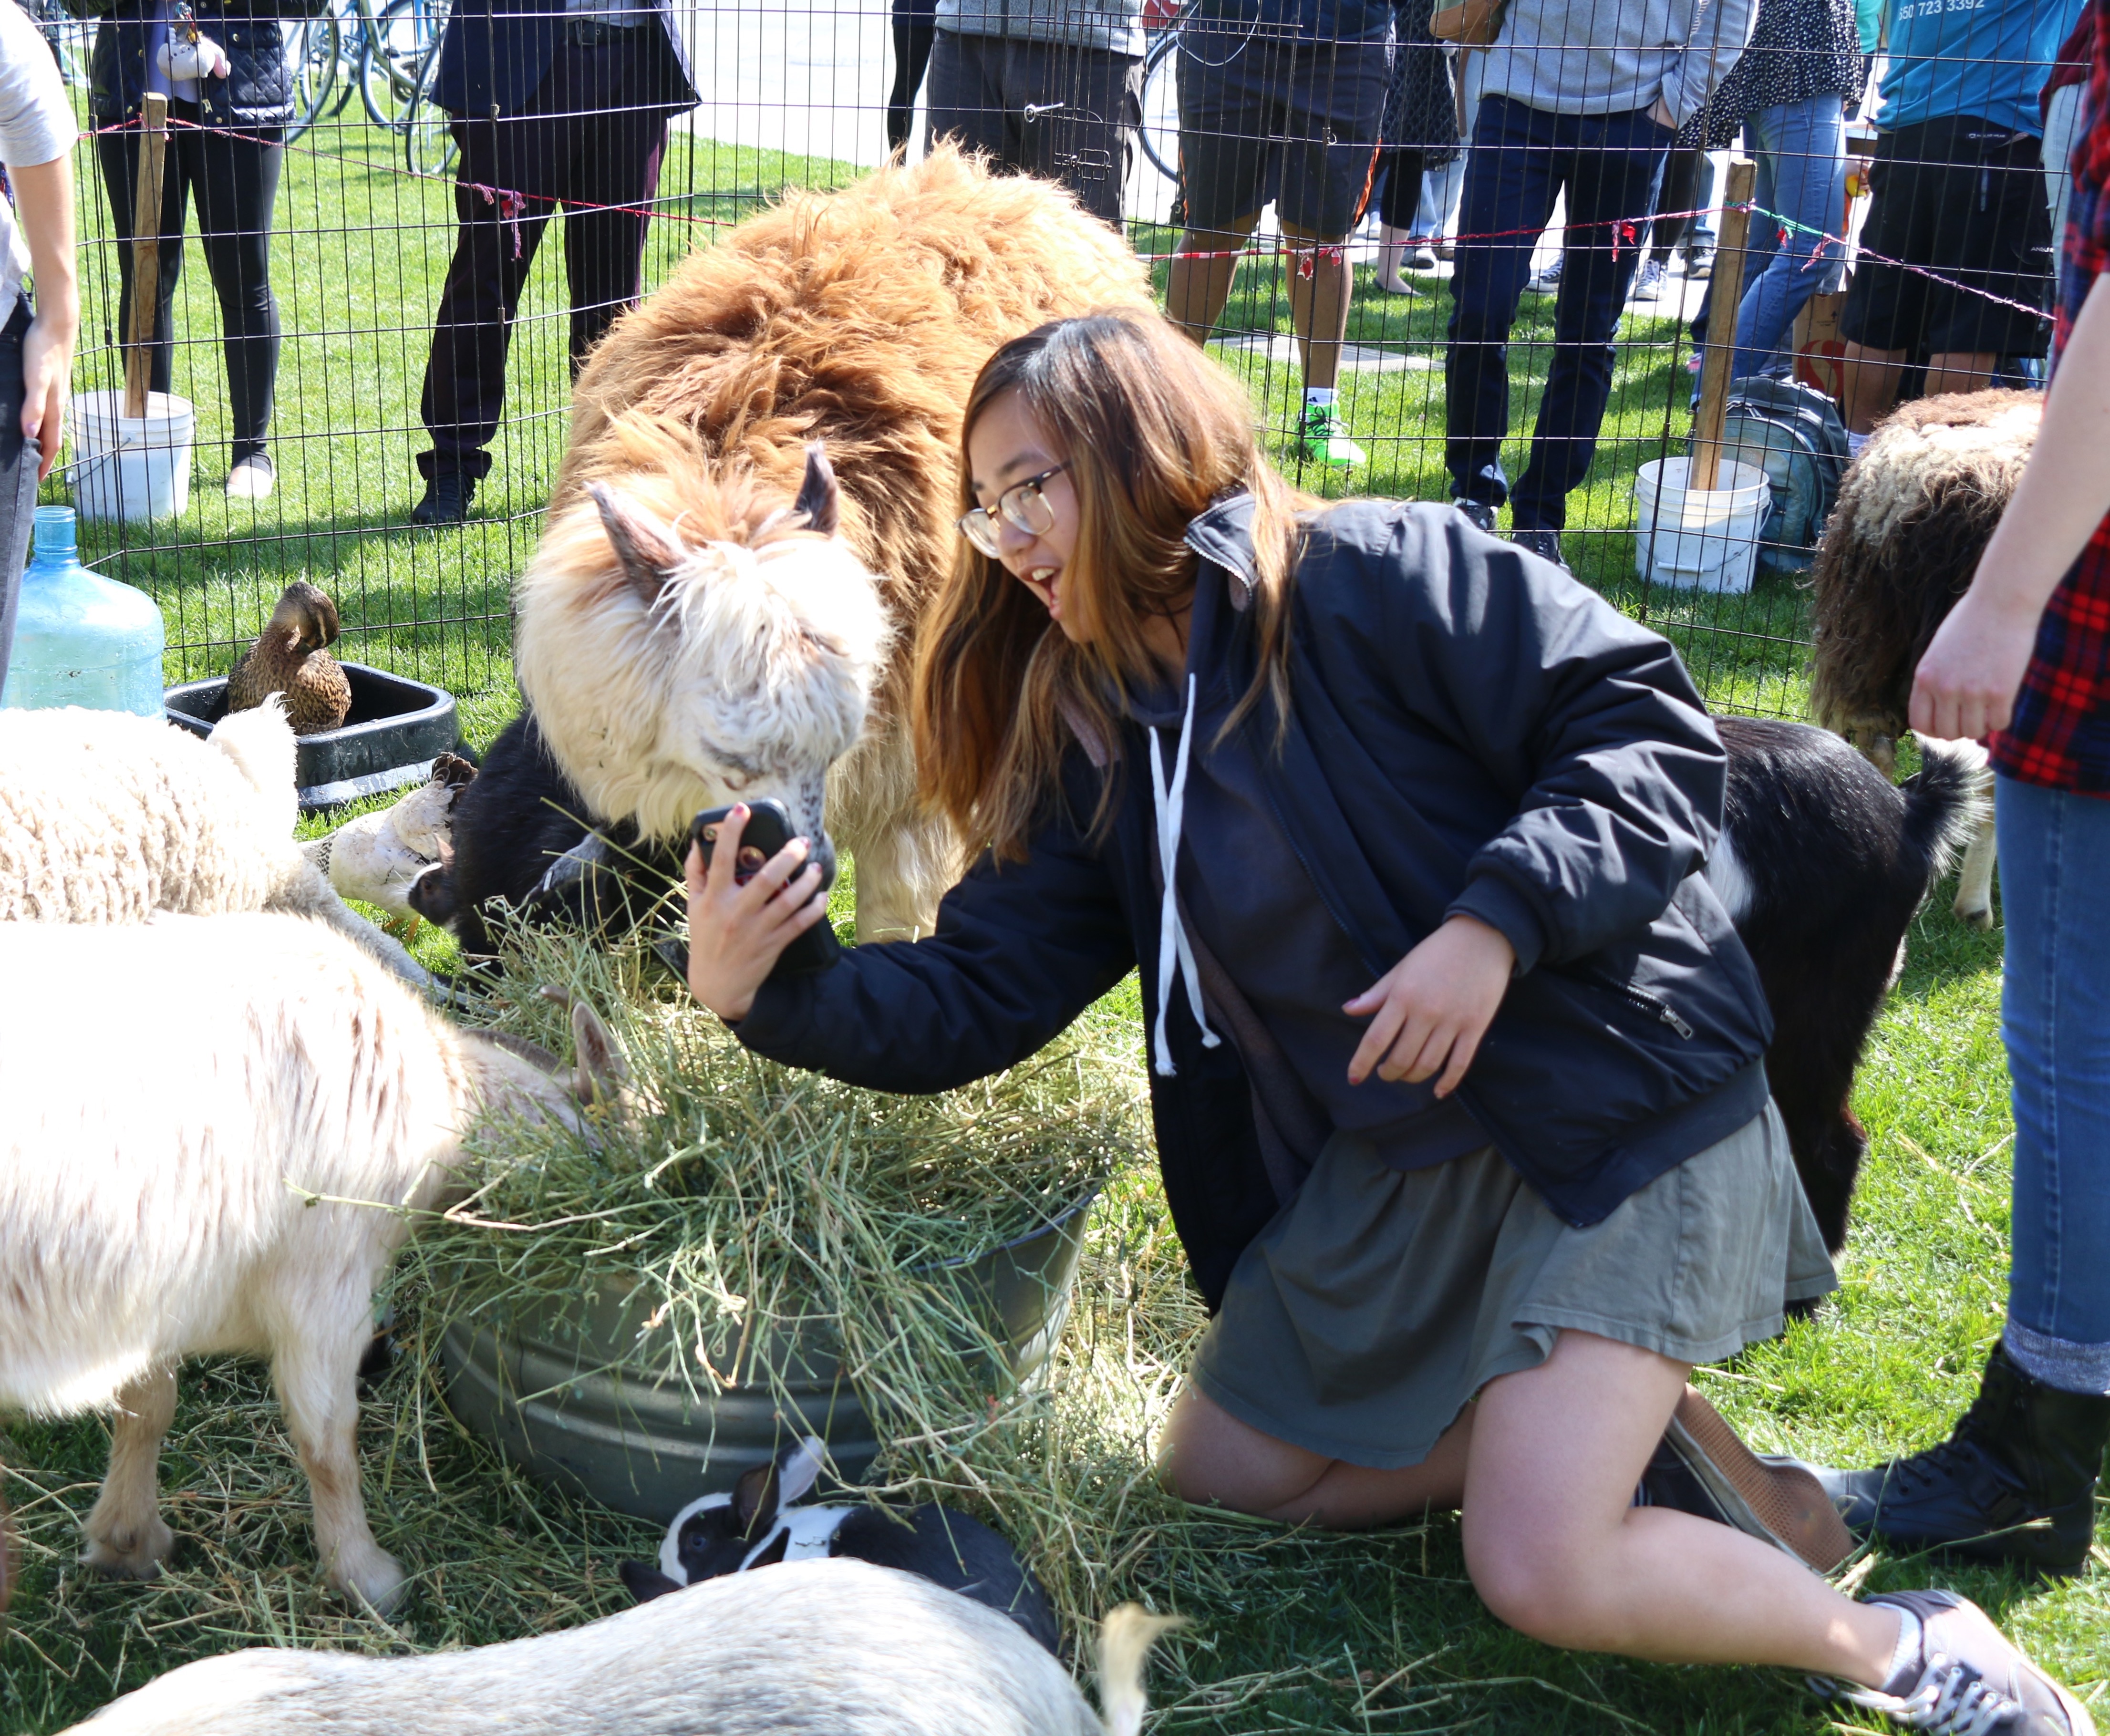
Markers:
(760, 1524)
(1822, 863)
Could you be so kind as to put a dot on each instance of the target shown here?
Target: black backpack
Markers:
(1792, 431)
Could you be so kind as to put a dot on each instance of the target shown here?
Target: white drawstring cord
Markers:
(1173, 947)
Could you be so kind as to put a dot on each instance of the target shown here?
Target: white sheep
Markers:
(835, 1646)
(194, 1108)
(108, 817)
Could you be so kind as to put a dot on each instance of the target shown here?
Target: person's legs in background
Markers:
(236, 181)
(2062, 129)
(117, 155)
(612, 169)
(1612, 167)
(1801, 149)
(494, 246)
(1398, 203)
(1437, 220)
(1678, 194)
(1699, 243)
(913, 25)
(1511, 177)
(963, 97)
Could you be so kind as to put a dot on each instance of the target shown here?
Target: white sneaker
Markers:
(1648, 282)
(1970, 1681)
(252, 478)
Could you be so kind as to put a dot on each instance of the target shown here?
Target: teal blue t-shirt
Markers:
(1984, 58)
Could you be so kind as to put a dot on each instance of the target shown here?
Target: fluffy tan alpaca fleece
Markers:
(1915, 512)
(108, 817)
(857, 319)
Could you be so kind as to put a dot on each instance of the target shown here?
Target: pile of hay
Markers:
(734, 1204)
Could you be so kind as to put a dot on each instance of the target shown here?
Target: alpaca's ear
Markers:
(819, 499)
(644, 547)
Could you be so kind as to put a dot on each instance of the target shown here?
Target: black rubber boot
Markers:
(446, 499)
(2016, 1482)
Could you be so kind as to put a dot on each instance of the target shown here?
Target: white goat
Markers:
(108, 817)
(839, 1647)
(193, 1105)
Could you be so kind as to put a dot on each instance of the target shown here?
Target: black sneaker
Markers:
(1483, 516)
(447, 496)
(1546, 544)
(1702, 1466)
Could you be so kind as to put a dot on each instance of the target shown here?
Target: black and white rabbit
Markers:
(759, 1525)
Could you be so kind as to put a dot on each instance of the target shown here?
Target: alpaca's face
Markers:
(669, 676)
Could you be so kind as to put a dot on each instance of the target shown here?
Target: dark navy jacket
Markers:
(258, 90)
(496, 52)
(1470, 730)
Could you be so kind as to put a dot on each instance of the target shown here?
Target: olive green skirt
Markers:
(1367, 1316)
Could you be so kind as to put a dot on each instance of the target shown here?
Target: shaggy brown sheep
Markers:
(1915, 512)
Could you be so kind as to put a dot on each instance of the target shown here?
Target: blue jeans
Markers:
(1801, 149)
(2055, 1017)
(1521, 160)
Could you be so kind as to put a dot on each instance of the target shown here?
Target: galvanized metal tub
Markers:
(548, 1384)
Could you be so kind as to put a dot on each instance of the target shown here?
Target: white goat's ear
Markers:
(798, 1469)
(819, 499)
(600, 1074)
(645, 548)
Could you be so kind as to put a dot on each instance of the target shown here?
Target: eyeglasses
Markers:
(1023, 505)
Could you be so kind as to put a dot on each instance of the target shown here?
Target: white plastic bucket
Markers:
(1698, 539)
(131, 467)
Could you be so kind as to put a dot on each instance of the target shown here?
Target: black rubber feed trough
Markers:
(396, 729)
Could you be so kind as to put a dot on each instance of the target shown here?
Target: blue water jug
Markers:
(81, 639)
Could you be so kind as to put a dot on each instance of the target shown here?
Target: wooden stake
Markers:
(145, 252)
(1725, 293)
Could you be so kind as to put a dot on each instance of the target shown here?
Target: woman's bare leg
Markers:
(1208, 1456)
(1558, 1550)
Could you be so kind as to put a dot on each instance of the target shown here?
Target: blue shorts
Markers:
(1262, 118)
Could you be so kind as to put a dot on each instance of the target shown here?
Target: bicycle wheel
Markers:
(428, 142)
(1160, 131)
(399, 38)
(312, 49)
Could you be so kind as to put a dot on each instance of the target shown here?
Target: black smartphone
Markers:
(768, 831)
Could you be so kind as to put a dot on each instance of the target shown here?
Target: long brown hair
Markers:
(1153, 432)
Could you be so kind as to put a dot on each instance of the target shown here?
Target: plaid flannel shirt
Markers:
(2060, 734)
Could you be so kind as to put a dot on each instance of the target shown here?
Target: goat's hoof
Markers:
(134, 1553)
(372, 1577)
(1981, 917)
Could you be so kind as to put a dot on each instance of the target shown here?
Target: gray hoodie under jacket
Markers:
(1609, 57)
(1079, 24)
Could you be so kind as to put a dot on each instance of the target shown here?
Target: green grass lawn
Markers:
(1290, 1631)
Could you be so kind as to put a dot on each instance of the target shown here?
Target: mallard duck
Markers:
(377, 855)
(288, 657)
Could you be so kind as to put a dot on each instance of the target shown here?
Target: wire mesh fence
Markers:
(1494, 266)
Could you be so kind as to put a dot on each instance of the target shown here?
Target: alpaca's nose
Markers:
(824, 853)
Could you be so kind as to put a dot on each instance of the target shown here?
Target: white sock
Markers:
(1319, 395)
(1907, 1661)
(1855, 441)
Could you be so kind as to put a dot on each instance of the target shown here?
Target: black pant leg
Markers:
(18, 479)
(502, 202)
(117, 155)
(914, 27)
(1401, 201)
(612, 171)
(1680, 193)
(236, 188)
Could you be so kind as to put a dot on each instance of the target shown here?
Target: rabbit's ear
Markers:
(645, 1583)
(798, 1469)
(754, 1503)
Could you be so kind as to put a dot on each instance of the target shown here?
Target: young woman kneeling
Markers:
(1457, 1061)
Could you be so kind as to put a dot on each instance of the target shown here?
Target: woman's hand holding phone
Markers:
(1430, 1011)
(738, 929)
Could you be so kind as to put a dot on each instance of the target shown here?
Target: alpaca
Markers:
(212, 1203)
(856, 319)
(108, 817)
(1822, 864)
(1915, 512)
